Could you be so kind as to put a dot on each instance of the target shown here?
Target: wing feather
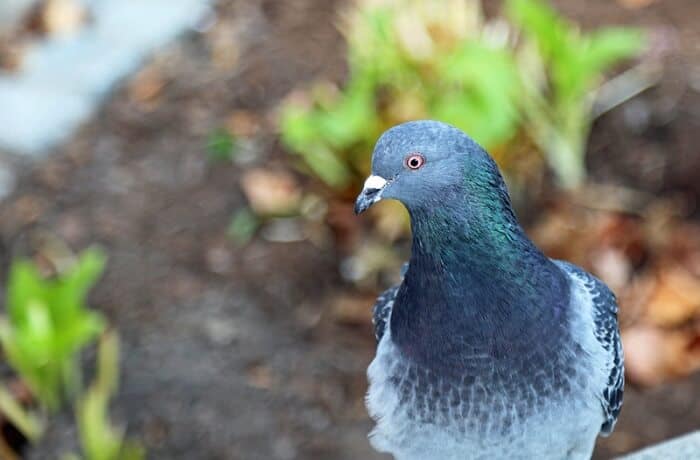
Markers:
(608, 335)
(382, 307)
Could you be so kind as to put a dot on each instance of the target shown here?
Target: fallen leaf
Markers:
(654, 356)
(352, 309)
(260, 376)
(675, 299)
(271, 193)
(223, 43)
(146, 86)
(28, 208)
(243, 123)
(343, 223)
(612, 266)
(391, 219)
(62, 17)
(635, 4)
(12, 52)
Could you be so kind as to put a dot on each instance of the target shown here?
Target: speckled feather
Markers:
(608, 334)
(604, 307)
(381, 311)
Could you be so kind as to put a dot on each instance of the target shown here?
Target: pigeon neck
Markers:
(472, 231)
(475, 284)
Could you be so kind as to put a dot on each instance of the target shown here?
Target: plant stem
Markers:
(28, 424)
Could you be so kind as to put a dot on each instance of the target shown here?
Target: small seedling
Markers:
(221, 146)
(243, 226)
(48, 324)
(99, 439)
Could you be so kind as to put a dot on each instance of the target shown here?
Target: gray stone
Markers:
(12, 11)
(63, 80)
(686, 447)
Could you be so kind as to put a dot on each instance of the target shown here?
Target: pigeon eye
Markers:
(414, 161)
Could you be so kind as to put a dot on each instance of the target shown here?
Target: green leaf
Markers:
(100, 440)
(243, 226)
(221, 146)
(326, 165)
(573, 64)
(490, 88)
(298, 129)
(541, 24)
(24, 286)
(480, 98)
(108, 363)
(607, 47)
(49, 324)
(68, 292)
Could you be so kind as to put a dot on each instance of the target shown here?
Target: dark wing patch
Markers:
(608, 334)
(382, 310)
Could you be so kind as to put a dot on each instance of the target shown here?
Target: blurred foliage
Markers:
(28, 423)
(99, 439)
(560, 68)
(406, 60)
(243, 225)
(440, 59)
(48, 324)
(221, 146)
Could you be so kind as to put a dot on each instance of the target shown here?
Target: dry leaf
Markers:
(260, 376)
(391, 219)
(223, 43)
(635, 4)
(62, 17)
(271, 193)
(654, 356)
(12, 51)
(352, 309)
(675, 299)
(345, 226)
(612, 266)
(146, 86)
(243, 123)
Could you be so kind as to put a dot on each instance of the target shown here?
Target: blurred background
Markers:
(182, 273)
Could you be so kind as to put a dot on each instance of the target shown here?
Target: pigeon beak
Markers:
(370, 194)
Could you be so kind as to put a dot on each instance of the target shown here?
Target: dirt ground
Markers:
(230, 353)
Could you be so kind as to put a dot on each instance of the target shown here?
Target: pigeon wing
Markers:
(608, 335)
(382, 311)
(382, 307)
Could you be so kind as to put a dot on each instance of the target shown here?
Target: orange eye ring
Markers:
(414, 161)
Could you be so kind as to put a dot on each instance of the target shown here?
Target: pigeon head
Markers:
(424, 163)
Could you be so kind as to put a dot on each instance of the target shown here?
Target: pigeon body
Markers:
(487, 349)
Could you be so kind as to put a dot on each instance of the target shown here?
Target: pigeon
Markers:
(487, 349)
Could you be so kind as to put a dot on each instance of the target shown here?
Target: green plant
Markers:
(411, 59)
(99, 439)
(242, 227)
(48, 324)
(221, 146)
(406, 60)
(29, 424)
(561, 67)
